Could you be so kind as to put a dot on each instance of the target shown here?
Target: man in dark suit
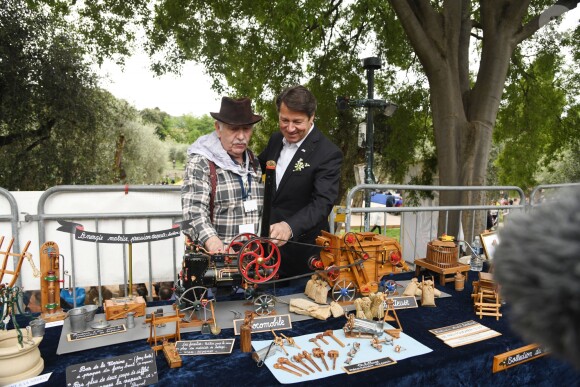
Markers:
(307, 178)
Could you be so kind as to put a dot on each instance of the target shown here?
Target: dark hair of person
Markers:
(298, 99)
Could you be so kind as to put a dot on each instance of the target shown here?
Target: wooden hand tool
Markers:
(321, 338)
(377, 346)
(313, 340)
(279, 342)
(311, 360)
(281, 367)
(291, 342)
(333, 355)
(285, 361)
(317, 352)
(331, 334)
(299, 359)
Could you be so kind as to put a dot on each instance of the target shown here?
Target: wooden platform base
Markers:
(443, 272)
(52, 317)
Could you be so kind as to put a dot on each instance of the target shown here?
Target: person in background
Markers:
(166, 294)
(228, 201)
(307, 178)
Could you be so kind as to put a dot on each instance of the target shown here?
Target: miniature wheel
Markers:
(332, 272)
(191, 300)
(238, 242)
(259, 260)
(264, 304)
(315, 263)
(343, 291)
(390, 287)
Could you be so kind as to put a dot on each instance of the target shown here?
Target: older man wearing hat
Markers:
(222, 192)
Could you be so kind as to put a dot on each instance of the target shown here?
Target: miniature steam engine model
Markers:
(249, 260)
(357, 262)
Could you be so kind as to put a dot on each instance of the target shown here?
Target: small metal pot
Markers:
(37, 327)
(78, 320)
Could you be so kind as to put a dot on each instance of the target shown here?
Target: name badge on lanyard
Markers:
(251, 205)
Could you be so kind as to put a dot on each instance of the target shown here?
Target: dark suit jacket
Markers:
(304, 198)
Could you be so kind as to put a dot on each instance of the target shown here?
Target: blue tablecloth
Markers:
(445, 366)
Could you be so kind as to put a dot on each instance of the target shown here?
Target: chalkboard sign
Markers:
(134, 369)
(266, 323)
(96, 332)
(403, 302)
(204, 347)
(368, 365)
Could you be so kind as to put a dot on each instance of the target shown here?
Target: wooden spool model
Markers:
(443, 259)
(442, 254)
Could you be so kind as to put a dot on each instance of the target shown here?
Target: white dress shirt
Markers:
(286, 155)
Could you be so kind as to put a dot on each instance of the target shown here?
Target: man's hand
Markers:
(281, 233)
(215, 245)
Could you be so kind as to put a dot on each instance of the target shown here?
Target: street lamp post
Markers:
(342, 103)
(370, 65)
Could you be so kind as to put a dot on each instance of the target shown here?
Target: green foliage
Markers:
(157, 118)
(255, 48)
(144, 155)
(530, 128)
(177, 152)
(186, 129)
(56, 126)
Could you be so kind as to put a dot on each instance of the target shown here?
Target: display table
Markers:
(444, 366)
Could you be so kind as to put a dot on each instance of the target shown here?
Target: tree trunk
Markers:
(463, 118)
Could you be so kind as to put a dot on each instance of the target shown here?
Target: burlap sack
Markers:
(321, 292)
(336, 309)
(428, 297)
(309, 285)
(411, 288)
(309, 308)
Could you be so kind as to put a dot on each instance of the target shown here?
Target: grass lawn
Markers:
(391, 232)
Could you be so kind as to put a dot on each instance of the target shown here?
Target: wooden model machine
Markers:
(50, 282)
(357, 262)
(18, 262)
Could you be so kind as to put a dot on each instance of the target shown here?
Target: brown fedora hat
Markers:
(236, 112)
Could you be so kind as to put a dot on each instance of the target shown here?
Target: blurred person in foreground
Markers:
(537, 265)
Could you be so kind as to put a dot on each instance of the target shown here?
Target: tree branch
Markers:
(407, 12)
(327, 14)
(463, 50)
(43, 131)
(549, 14)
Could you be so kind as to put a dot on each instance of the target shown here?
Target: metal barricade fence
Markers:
(409, 224)
(411, 214)
(12, 217)
(537, 196)
(44, 216)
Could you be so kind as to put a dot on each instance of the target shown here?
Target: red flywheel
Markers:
(259, 260)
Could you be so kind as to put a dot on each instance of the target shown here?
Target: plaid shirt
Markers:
(228, 212)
